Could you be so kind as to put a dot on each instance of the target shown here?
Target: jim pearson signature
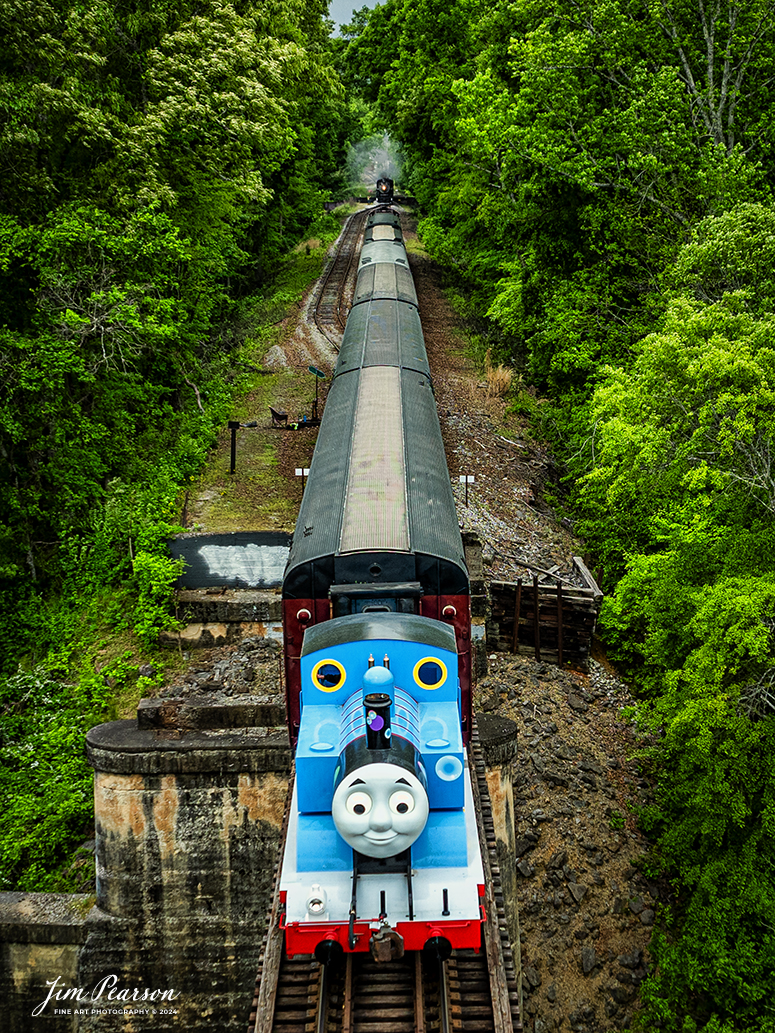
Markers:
(107, 989)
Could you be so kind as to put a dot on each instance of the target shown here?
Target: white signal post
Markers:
(467, 479)
(302, 472)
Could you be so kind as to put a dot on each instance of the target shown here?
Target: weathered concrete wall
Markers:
(229, 605)
(41, 935)
(187, 828)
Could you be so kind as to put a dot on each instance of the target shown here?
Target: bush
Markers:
(499, 378)
(154, 577)
(45, 778)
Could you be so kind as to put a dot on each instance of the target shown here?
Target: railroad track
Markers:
(504, 959)
(469, 993)
(333, 299)
(411, 995)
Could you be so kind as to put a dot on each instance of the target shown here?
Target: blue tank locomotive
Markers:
(382, 845)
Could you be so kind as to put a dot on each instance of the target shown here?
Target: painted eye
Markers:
(430, 672)
(401, 802)
(328, 675)
(359, 803)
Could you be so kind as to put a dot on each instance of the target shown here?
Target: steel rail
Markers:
(323, 998)
(504, 958)
(330, 307)
(445, 1018)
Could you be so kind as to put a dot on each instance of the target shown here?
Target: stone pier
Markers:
(189, 803)
(187, 827)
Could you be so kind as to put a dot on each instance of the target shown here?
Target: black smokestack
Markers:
(378, 731)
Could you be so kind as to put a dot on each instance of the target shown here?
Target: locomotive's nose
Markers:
(381, 819)
(380, 809)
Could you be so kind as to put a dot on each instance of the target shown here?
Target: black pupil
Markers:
(329, 675)
(430, 674)
(402, 808)
(359, 808)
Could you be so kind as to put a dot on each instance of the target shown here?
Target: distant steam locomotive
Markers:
(384, 191)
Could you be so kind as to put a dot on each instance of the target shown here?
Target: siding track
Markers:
(334, 294)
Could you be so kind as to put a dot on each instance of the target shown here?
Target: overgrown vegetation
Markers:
(158, 164)
(45, 778)
(597, 179)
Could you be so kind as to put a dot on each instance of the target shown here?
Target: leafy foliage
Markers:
(157, 161)
(679, 501)
(45, 778)
(596, 178)
(155, 577)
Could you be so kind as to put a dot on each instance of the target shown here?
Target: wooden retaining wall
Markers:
(555, 622)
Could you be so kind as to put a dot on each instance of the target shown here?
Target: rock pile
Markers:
(251, 666)
(585, 901)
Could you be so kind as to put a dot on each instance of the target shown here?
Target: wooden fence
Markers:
(552, 622)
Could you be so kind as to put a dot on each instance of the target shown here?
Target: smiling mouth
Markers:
(380, 837)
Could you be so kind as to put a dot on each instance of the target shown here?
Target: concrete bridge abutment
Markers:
(187, 828)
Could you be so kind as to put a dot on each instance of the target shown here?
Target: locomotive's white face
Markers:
(380, 809)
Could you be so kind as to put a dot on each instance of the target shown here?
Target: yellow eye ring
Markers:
(423, 682)
(328, 675)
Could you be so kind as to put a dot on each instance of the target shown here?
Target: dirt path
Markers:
(264, 493)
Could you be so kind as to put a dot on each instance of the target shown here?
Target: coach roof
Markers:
(379, 481)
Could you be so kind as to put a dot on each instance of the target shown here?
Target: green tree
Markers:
(679, 503)
(156, 161)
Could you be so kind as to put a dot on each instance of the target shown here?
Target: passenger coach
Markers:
(377, 530)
